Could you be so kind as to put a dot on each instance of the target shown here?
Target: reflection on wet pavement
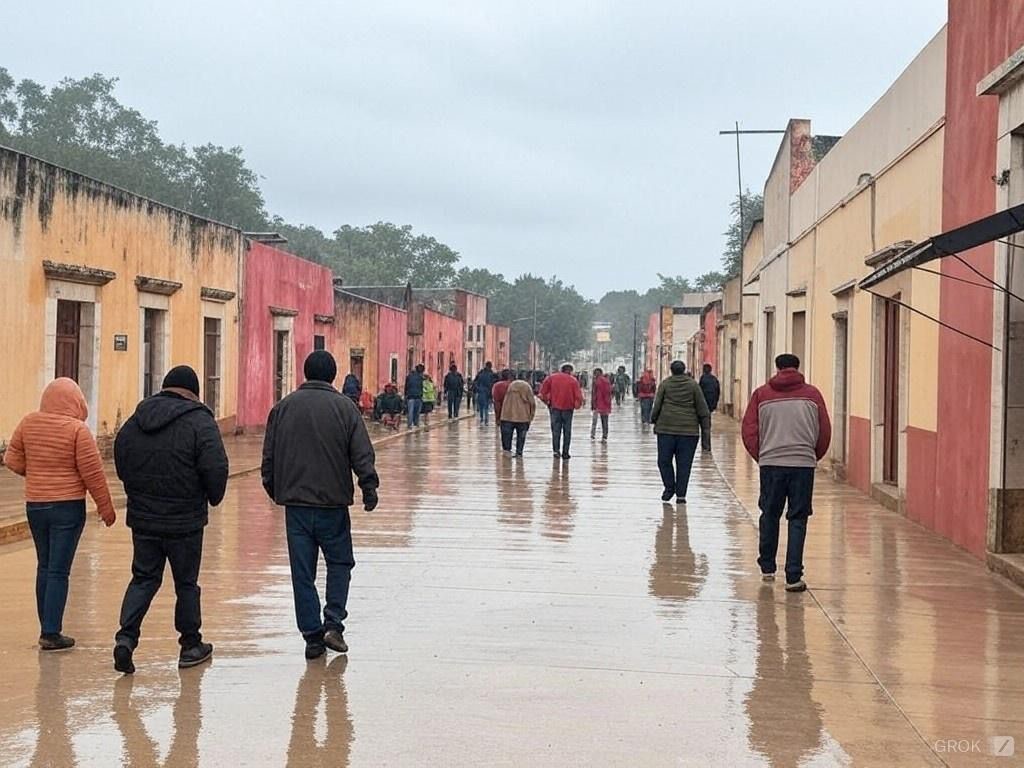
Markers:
(536, 612)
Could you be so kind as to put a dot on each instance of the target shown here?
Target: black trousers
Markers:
(789, 489)
(185, 554)
(520, 428)
(561, 431)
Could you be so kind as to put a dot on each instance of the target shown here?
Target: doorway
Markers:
(769, 344)
(840, 405)
(355, 365)
(153, 332)
(799, 343)
(281, 364)
(68, 343)
(211, 363)
(891, 392)
(750, 369)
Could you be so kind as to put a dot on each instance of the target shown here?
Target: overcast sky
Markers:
(552, 136)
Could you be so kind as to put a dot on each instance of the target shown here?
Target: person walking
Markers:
(55, 452)
(498, 392)
(171, 459)
(315, 441)
(621, 382)
(787, 431)
(646, 389)
(600, 405)
(563, 396)
(485, 380)
(679, 412)
(352, 388)
(454, 390)
(712, 392)
(517, 411)
(429, 395)
(414, 396)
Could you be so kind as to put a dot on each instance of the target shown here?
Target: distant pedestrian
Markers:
(471, 394)
(429, 394)
(485, 380)
(621, 384)
(517, 411)
(315, 441)
(352, 388)
(389, 407)
(787, 431)
(56, 453)
(678, 414)
(584, 380)
(171, 459)
(712, 392)
(414, 396)
(498, 393)
(564, 397)
(646, 389)
(600, 405)
(454, 390)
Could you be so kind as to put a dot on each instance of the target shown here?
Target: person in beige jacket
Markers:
(517, 411)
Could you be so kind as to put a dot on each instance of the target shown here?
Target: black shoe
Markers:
(566, 457)
(680, 500)
(334, 640)
(194, 656)
(315, 649)
(56, 642)
(667, 495)
(123, 659)
(558, 455)
(796, 586)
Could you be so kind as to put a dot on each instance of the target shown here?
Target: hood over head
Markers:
(787, 379)
(156, 412)
(64, 397)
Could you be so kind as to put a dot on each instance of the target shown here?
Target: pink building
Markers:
(287, 311)
(710, 319)
(440, 344)
(497, 340)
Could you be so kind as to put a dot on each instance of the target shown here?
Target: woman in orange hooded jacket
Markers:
(57, 455)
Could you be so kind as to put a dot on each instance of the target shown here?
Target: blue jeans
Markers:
(313, 530)
(646, 406)
(454, 404)
(561, 431)
(677, 450)
(483, 406)
(56, 528)
(414, 406)
(783, 487)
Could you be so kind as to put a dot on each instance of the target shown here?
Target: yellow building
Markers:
(110, 289)
(750, 286)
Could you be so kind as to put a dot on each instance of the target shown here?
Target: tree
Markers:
(481, 281)
(753, 209)
(709, 282)
(387, 254)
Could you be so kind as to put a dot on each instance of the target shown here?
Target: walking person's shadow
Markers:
(53, 745)
(559, 506)
(321, 683)
(677, 572)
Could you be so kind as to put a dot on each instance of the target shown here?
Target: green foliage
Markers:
(387, 254)
(481, 281)
(732, 257)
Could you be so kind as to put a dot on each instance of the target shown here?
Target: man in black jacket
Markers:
(171, 459)
(414, 396)
(315, 441)
(454, 390)
(712, 392)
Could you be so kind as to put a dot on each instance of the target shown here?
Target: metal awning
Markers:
(986, 230)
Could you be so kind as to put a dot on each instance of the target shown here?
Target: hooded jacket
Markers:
(786, 423)
(712, 390)
(679, 407)
(171, 459)
(601, 397)
(454, 385)
(485, 379)
(519, 406)
(352, 388)
(646, 387)
(414, 386)
(55, 451)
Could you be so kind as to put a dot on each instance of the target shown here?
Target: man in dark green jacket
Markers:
(679, 413)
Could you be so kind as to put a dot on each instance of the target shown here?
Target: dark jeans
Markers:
(678, 449)
(414, 406)
(185, 554)
(780, 485)
(619, 395)
(705, 436)
(483, 406)
(646, 406)
(603, 418)
(56, 528)
(561, 431)
(454, 404)
(312, 531)
(520, 428)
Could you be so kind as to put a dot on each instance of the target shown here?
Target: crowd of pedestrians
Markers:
(171, 460)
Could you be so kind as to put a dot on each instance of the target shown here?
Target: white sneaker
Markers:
(797, 586)
(768, 578)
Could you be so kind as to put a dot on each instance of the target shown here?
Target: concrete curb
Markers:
(17, 530)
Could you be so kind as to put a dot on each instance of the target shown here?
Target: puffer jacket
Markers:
(786, 423)
(171, 459)
(679, 407)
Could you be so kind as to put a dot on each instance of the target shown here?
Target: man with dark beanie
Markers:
(171, 459)
(315, 441)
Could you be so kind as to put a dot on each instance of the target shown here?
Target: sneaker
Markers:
(680, 500)
(558, 455)
(667, 495)
(56, 642)
(194, 656)
(797, 586)
(604, 439)
(566, 457)
(123, 659)
(315, 649)
(768, 578)
(593, 437)
(335, 640)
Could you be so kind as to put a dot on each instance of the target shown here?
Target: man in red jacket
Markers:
(787, 431)
(600, 405)
(563, 396)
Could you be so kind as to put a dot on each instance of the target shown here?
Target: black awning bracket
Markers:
(917, 311)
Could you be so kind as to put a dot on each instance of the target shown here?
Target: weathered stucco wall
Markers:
(355, 335)
(49, 213)
(392, 342)
(442, 343)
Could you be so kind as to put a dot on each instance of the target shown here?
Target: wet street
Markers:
(537, 613)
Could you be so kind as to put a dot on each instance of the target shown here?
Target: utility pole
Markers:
(636, 319)
(739, 173)
(535, 335)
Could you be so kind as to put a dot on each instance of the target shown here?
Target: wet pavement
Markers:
(537, 613)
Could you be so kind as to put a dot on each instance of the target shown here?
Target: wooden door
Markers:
(355, 364)
(280, 365)
(69, 330)
(891, 394)
(840, 406)
(211, 363)
(800, 336)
